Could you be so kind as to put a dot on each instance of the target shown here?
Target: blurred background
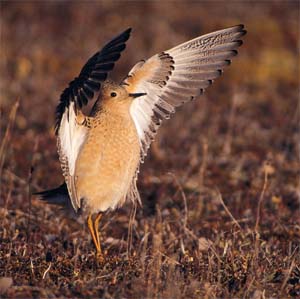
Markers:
(246, 125)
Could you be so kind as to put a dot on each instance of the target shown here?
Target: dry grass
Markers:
(220, 187)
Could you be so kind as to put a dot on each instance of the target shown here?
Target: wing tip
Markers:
(241, 28)
(126, 33)
(239, 42)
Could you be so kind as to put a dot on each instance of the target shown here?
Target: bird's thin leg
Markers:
(96, 229)
(92, 232)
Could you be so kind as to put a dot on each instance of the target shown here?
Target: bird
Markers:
(100, 152)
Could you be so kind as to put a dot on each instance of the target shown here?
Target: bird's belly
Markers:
(106, 167)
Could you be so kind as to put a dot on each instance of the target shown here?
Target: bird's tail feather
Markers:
(56, 196)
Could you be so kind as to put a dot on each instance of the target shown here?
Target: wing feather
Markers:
(176, 76)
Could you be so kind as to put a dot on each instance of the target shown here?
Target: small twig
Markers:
(288, 275)
(225, 249)
(29, 187)
(211, 247)
(262, 194)
(227, 211)
(143, 249)
(32, 267)
(46, 271)
(101, 277)
(182, 247)
(268, 169)
(169, 258)
(6, 138)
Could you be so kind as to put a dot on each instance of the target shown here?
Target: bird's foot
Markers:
(100, 257)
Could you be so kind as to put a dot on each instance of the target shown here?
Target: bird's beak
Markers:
(136, 95)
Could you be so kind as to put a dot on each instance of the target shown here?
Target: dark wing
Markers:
(95, 71)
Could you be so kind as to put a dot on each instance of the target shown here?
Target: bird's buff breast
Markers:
(107, 162)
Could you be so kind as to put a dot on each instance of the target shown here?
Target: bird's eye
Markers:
(113, 94)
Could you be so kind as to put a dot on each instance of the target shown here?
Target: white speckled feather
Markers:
(176, 76)
(71, 137)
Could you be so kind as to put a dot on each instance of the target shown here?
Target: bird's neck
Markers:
(115, 109)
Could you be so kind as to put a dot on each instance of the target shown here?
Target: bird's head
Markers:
(111, 91)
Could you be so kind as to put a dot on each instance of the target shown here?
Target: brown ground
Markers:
(220, 187)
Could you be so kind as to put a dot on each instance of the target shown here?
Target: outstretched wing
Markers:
(176, 76)
(70, 126)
